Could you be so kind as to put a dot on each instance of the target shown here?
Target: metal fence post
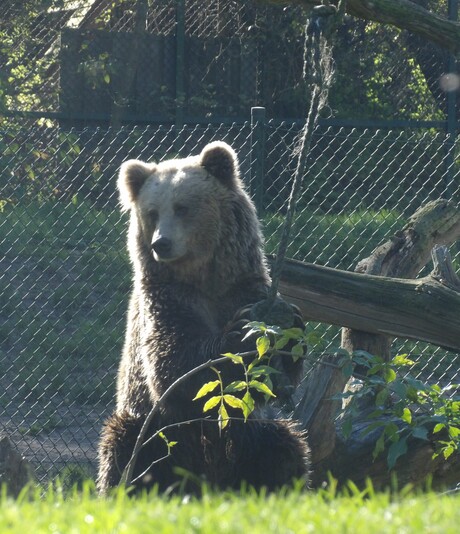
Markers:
(451, 123)
(180, 50)
(256, 181)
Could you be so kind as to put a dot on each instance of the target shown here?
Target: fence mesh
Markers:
(207, 59)
(66, 121)
(65, 276)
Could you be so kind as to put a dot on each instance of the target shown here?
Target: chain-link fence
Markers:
(78, 82)
(104, 62)
(65, 276)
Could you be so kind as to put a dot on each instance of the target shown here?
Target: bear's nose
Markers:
(162, 246)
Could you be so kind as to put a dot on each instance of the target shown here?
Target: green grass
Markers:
(335, 240)
(287, 512)
(64, 289)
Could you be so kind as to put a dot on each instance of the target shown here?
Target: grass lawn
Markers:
(292, 512)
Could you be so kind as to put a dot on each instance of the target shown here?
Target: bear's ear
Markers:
(220, 160)
(133, 174)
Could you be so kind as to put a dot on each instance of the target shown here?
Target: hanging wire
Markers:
(318, 73)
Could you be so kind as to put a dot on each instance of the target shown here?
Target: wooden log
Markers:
(352, 459)
(422, 309)
(403, 256)
(410, 309)
(400, 306)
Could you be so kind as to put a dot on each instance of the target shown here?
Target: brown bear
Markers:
(196, 248)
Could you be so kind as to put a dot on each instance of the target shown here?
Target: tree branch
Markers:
(422, 309)
(127, 476)
(403, 14)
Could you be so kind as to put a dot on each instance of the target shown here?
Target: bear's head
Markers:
(190, 216)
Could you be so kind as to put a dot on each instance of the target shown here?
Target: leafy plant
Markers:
(239, 394)
(404, 407)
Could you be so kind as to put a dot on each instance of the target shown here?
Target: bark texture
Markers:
(377, 307)
(403, 14)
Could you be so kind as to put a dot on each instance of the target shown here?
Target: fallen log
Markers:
(352, 459)
(404, 256)
(375, 309)
(371, 300)
(424, 309)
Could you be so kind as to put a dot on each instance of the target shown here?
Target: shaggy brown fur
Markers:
(196, 248)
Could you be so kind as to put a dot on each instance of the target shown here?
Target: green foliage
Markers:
(389, 75)
(25, 56)
(169, 444)
(403, 407)
(256, 60)
(258, 371)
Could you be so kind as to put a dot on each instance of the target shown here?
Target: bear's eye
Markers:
(180, 211)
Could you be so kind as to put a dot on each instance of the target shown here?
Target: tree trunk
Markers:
(423, 309)
(377, 308)
(404, 257)
(403, 14)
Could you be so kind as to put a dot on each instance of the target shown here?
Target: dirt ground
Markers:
(73, 440)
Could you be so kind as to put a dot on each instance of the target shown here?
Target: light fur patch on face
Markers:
(179, 213)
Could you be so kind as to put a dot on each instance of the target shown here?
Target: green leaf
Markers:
(448, 451)
(389, 374)
(263, 388)
(263, 370)
(438, 427)
(293, 333)
(268, 382)
(248, 403)
(297, 351)
(381, 397)
(223, 418)
(379, 446)
(211, 403)
(172, 443)
(420, 432)
(347, 369)
(262, 345)
(236, 386)
(400, 389)
(206, 388)
(275, 330)
(250, 333)
(236, 358)
(397, 449)
(234, 402)
(407, 416)
(454, 432)
(391, 431)
(402, 359)
(281, 343)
